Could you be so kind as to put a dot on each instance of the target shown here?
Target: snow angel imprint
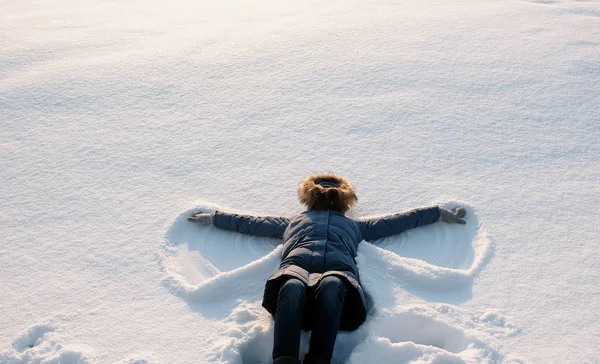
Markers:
(317, 286)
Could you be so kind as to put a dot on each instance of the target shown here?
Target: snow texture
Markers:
(118, 119)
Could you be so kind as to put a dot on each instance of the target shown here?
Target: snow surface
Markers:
(120, 118)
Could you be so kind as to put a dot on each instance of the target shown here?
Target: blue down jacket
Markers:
(318, 243)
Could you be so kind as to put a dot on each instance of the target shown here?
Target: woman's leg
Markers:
(329, 299)
(288, 317)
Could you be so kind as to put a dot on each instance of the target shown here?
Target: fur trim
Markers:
(318, 197)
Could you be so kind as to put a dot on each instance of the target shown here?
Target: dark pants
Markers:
(326, 300)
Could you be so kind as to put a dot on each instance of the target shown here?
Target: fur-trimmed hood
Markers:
(327, 191)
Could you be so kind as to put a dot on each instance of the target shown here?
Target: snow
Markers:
(120, 118)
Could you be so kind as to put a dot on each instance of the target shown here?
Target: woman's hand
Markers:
(204, 218)
(453, 216)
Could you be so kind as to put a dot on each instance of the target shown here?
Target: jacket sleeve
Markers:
(272, 227)
(374, 229)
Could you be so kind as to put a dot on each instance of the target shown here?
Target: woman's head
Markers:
(327, 191)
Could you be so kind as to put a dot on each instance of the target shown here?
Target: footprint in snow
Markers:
(39, 344)
(31, 337)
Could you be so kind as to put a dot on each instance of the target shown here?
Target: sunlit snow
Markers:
(118, 119)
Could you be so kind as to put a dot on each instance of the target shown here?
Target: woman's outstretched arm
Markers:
(377, 228)
(268, 226)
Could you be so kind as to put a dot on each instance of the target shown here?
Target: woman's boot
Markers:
(312, 360)
(286, 360)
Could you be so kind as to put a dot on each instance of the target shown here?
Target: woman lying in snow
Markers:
(317, 286)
